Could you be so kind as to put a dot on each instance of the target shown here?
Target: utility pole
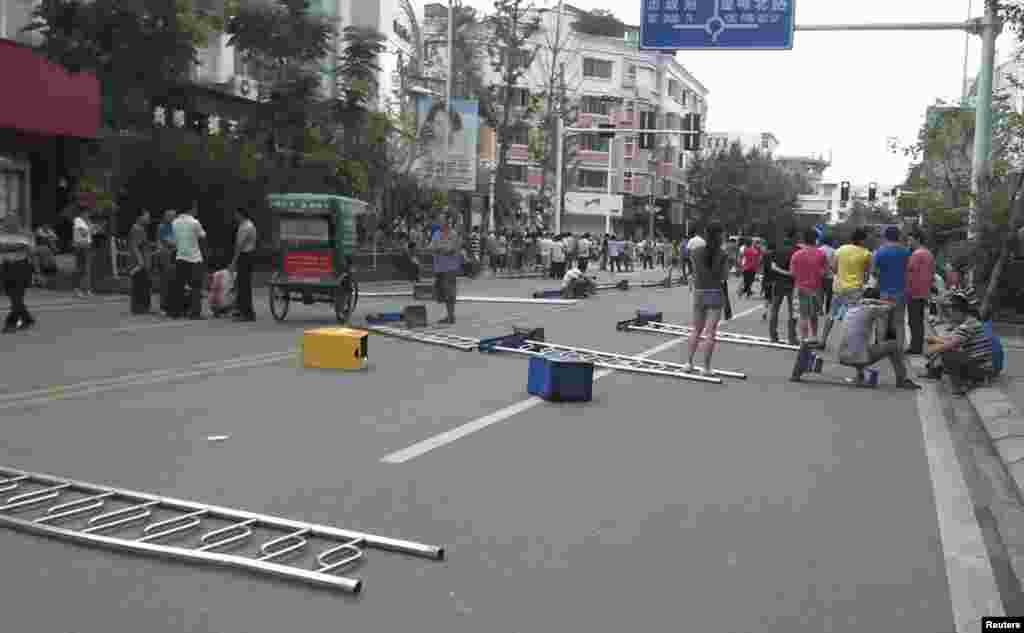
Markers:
(448, 102)
(989, 28)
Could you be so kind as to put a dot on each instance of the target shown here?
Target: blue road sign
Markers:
(716, 24)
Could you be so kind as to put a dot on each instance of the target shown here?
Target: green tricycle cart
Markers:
(316, 235)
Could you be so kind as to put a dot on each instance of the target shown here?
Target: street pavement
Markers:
(663, 505)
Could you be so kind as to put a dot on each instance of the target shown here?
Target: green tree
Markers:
(748, 193)
(138, 49)
(284, 45)
(512, 50)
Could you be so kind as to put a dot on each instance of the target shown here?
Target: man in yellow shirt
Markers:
(851, 265)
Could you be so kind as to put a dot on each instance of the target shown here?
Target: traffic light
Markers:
(691, 123)
(872, 192)
(844, 191)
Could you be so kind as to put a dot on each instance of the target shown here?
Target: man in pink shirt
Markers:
(808, 266)
(920, 277)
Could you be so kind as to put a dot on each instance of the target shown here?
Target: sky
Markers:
(847, 92)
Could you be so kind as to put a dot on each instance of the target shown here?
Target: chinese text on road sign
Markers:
(724, 24)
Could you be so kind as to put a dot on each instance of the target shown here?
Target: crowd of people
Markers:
(867, 292)
(829, 284)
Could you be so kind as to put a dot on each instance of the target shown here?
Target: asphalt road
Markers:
(663, 505)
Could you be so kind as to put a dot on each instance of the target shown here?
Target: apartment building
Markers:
(765, 142)
(615, 83)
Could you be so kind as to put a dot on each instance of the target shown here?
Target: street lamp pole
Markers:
(990, 26)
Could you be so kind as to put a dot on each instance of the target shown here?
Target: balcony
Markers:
(591, 156)
(519, 153)
(630, 185)
(535, 178)
(625, 119)
(664, 170)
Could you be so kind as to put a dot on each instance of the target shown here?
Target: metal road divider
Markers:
(143, 523)
(672, 329)
(520, 344)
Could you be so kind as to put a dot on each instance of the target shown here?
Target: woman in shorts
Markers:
(710, 268)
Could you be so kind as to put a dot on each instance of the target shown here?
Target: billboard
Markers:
(463, 141)
(596, 204)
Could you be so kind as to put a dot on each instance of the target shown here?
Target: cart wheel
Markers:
(280, 301)
(345, 299)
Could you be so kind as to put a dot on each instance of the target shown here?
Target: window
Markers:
(680, 191)
(629, 147)
(401, 31)
(683, 96)
(595, 105)
(517, 137)
(671, 121)
(592, 179)
(597, 68)
(647, 120)
(594, 143)
(515, 173)
(673, 88)
(518, 59)
(629, 77)
(520, 97)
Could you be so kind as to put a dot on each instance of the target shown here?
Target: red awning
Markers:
(42, 97)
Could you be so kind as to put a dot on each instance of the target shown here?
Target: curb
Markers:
(1004, 423)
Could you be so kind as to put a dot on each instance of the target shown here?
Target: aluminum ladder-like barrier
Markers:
(675, 330)
(454, 341)
(519, 344)
(142, 523)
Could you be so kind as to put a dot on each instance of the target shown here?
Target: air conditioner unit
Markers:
(246, 87)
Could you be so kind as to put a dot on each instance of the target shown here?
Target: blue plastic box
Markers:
(559, 378)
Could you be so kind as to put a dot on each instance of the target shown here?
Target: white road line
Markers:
(60, 392)
(972, 585)
(447, 437)
(153, 326)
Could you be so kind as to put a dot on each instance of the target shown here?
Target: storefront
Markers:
(45, 113)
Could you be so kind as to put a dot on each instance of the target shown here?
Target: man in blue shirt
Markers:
(890, 268)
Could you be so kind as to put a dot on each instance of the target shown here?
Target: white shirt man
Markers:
(557, 252)
(187, 233)
(584, 247)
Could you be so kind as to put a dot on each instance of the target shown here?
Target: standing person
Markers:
(648, 253)
(920, 277)
(166, 256)
(767, 279)
(188, 266)
(447, 249)
(711, 267)
(850, 267)
(808, 266)
(828, 247)
(16, 245)
(782, 290)
(557, 259)
(138, 246)
(750, 258)
(890, 266)
(82, 244)
(242, 264)
(583, 257)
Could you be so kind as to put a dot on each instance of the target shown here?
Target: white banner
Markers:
(599, 204)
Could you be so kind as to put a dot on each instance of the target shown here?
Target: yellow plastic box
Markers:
(334, 348)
